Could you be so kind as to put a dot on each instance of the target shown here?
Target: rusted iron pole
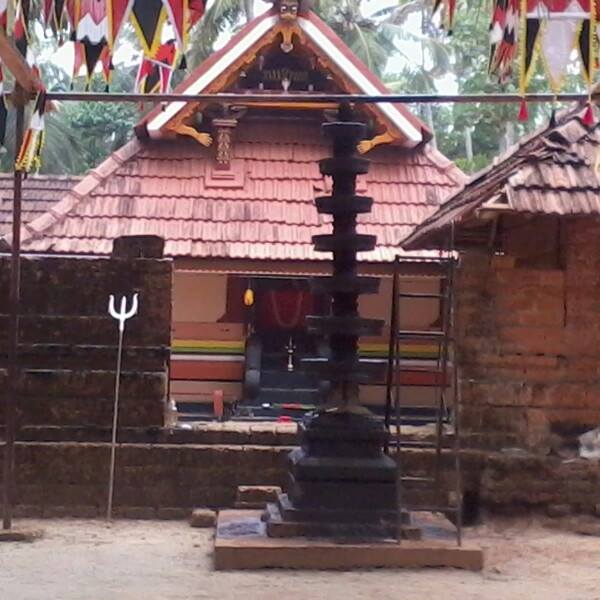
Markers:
(253, 98)
(13, 333)
(319, 98)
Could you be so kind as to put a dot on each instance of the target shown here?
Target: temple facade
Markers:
(230, 187)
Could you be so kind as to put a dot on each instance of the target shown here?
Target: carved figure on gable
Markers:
(288, 9)
(288, 14)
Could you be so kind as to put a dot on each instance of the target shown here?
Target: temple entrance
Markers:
(276, 382)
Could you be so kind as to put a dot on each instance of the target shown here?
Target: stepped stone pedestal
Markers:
(341, 484)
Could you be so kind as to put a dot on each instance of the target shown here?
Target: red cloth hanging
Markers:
(284, 309)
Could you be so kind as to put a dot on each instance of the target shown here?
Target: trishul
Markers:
(122, 316)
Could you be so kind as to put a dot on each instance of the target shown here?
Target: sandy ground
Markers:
(141, 560)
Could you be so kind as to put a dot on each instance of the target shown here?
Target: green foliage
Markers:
(223, 17)
(99, 128)
(372, 40)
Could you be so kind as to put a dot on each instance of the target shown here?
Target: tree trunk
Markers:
(469, 143)
(429, 121)
(249, 10)
(509, 136)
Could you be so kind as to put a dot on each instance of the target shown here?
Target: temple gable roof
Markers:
(310, 31)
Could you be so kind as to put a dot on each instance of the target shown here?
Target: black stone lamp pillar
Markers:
(341, 483)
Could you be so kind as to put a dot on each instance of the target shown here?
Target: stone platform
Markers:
(241, 542)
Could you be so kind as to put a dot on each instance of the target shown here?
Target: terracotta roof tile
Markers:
(172, 189)
(40, 194)
(549, 172)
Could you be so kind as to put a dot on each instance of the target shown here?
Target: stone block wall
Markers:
(528, 335)
(163, 474)
(151, 480)
(68, 342)
(534, 481)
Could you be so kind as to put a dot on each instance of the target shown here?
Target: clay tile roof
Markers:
(40, 194)
(262, 208)
(556, 170)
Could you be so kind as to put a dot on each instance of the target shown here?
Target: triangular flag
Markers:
(523, 112)
(155, 73)
(92, 32)
(20, 34)
(588, 116)
(532, 30)
(556, 44)
(148, 18)
(197, 8)
(107, 65)
(179, 17)
(78, 58)
(48, 10)
(118, 12)
(29, 155)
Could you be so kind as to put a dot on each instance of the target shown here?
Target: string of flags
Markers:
(526, 33)
(94, 27)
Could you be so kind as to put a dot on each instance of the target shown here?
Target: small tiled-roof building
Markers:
(231, 190)
(40, 194)
(528, 288)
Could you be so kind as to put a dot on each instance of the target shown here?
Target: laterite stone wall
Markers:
(68, 342)
(528, 333)
(151, 480)
(165, 480)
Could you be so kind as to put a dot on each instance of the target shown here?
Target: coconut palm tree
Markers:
(222, 16)
(370, 38)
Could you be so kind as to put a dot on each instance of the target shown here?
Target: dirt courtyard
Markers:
(166, 560)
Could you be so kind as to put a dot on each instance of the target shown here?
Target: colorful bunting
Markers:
(523, 111)
(94, 27)
(197, 8)
(91, 31)
(448, 10)
(551, 30)
(179, 17)
(29, 155)
(503, 38)
(534, 30)
(588, 115)
(155, 73)
(118, 12)
(20, 31)
(54, 14)
(148, 18)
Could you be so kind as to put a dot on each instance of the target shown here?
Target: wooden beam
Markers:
(11, 58)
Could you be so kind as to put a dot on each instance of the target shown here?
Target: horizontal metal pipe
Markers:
(241, 98)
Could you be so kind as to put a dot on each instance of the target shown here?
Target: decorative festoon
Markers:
(94, 27)
(525, 32)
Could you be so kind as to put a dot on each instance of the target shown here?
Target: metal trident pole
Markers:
(122, 316)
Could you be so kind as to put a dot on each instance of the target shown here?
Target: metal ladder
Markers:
(446, 379)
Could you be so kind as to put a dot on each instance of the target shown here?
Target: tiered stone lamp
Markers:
(341, 483)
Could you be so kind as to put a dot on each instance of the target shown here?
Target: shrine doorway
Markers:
(277, 383)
